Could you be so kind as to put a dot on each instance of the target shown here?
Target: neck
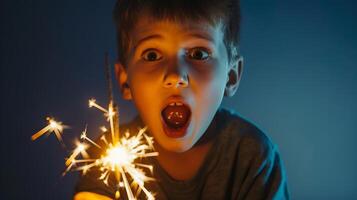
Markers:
(183, 165)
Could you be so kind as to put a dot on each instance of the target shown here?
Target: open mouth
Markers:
(176, 118)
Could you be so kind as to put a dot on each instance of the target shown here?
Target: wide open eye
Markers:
(151, 55)
(198, 53)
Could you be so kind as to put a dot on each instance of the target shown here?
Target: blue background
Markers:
(299, 85)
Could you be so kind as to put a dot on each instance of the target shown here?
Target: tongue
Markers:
(176, 116)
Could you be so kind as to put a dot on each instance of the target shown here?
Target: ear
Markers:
(122, 78)
(234, 76)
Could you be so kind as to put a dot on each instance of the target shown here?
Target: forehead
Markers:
(147, 26)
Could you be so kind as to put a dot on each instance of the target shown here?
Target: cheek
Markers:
(145, 92)
(209, 91)
(211, 95)
(141, 91)
(210, 84)
(142, 84)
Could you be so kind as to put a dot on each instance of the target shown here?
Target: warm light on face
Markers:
(206, 78)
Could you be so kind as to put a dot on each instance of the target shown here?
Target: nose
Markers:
(176, 82)
(176, 77)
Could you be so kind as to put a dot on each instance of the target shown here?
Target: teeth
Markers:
(176, 103)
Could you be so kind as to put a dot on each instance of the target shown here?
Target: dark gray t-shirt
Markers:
(243, 163)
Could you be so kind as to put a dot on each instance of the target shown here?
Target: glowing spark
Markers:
(53, 126)
(103, 129)
(84, 137)
(104, 139)
(80, 149)
(110, 113)
(93, 104)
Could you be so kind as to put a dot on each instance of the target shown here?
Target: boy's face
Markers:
(177, 75)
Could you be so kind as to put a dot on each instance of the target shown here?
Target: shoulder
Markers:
(244, 136)
(248, 162)
(257, 171)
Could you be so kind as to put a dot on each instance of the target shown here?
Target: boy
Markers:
(177, 59)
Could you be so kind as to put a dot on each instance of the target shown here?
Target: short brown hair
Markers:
(126, 13)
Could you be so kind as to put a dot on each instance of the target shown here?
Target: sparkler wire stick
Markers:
(115, 108)
(111, 115)
(108, 76)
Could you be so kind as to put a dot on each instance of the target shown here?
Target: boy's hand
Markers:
(90, 196)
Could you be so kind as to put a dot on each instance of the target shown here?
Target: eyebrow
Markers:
(150, 37)
(202, 35)
(158, 36)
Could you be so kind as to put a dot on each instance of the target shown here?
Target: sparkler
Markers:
(121, 153)
(119, 158)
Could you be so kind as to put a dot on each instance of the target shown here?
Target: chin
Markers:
(175, 146)
(178, 145)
